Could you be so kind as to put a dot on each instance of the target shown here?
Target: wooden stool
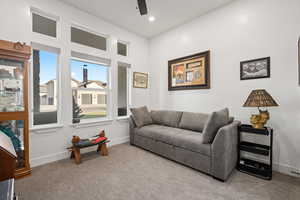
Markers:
(75, 150)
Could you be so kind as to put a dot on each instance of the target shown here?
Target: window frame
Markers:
(107, 90)
(46, 15)
(59, 61)
(84, 28)
(128, 95)
(127, 48)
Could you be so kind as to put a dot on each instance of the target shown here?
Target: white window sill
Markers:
(46, 128)
(90, 123)
(123, 118)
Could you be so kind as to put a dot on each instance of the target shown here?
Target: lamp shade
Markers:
(260, 98)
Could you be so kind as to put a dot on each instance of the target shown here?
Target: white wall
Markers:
(243, 30)
(50, 144)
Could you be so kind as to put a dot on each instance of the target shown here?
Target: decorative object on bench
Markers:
(260, 98)
(254, 69)
(179, 136)
(14, 120)
(250, 165)
(140, 80)
(78, 144)
(190, 72)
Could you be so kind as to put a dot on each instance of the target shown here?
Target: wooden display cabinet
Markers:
(14, 119)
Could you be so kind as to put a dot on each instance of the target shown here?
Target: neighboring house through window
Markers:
(90, 90)
(45, 87)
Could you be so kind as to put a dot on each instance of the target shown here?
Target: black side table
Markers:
(249, 165)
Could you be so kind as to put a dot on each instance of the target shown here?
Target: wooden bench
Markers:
(75, 149)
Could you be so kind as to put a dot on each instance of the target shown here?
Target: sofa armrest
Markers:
(224, 151)
(132, 129)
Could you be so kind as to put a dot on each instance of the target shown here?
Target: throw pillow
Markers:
(141, 116)
(215, 121)
(193, 121)
(166, 117)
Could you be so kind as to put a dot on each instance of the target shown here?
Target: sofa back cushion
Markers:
(166, 117)
(141, 116)
(216, 120)
(193, 121)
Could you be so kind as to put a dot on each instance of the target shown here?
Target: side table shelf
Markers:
(252, 166)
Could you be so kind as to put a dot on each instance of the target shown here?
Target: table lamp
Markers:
(260, 98)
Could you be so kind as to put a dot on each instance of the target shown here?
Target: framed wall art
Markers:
(254, 69)
(140, 80)
(190, 72)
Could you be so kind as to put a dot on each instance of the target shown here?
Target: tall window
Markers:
(90, 90)
(45, 85)
(123, 89)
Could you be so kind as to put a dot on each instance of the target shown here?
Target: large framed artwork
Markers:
(254, 69)
(190, 72)
(140, 80)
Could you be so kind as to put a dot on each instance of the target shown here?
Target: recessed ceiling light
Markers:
(151, 18)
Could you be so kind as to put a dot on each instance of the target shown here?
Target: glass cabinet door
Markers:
(11, 85)
(14, 129)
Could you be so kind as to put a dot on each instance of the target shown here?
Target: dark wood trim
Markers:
(254, 60)
(19, 52)
(205, 54)
(15, 50)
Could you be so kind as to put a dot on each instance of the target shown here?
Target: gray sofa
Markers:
(179, 136)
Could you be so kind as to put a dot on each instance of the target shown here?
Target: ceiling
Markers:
(168, 13)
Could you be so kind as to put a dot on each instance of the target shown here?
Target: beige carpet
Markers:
(134, 174)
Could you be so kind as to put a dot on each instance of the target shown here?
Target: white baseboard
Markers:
(118, 141)
(282, 168)
(286, 169)
(34, 162)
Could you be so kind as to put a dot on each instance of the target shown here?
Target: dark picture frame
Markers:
(255, 69)
(189, 72)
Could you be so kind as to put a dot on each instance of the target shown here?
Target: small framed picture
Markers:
(140, 80)
(254, 69)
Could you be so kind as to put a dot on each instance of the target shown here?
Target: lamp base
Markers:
(259, 121)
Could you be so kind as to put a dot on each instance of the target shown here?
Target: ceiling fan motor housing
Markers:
(142, 7)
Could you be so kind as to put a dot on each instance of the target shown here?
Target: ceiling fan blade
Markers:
(142, 7)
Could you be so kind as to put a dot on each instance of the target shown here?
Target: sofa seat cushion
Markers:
(192, 141)
(157, 132)
(185, 139)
